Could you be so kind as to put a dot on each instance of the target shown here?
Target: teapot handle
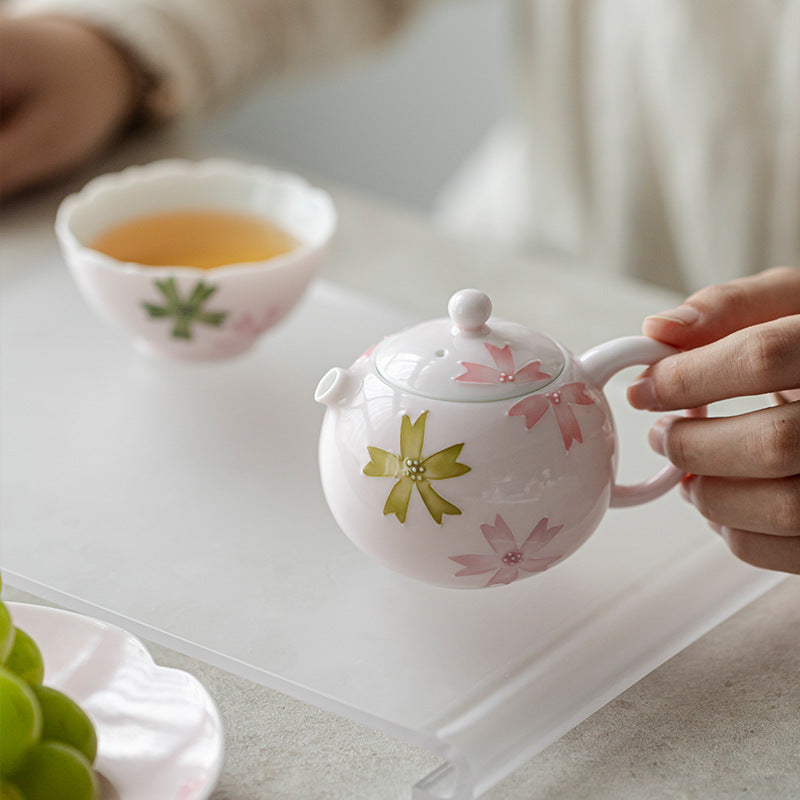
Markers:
(606, 360)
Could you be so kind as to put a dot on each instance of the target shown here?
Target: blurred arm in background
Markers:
(75, 73)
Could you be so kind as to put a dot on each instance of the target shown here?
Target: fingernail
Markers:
(683, 315)
(715, 527)
(641, 394)
(657, 434)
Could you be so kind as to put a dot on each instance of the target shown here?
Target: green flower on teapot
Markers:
(412, 470)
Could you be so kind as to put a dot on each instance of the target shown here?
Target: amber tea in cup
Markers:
(194, 238)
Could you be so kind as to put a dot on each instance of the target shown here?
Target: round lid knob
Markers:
(470, 356)
(470, 309)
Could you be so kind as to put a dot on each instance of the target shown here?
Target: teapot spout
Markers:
(335, 386)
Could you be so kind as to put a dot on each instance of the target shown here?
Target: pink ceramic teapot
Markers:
(469, 451)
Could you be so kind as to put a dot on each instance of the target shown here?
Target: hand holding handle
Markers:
(606, 360)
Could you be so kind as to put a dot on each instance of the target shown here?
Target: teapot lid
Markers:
(469, 357)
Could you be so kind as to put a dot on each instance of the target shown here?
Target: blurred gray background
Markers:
(398, 121)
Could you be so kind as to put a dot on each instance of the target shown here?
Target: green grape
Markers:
(63, 720)
(20, 721)
(6, 633)
(56, 771)
(9, 792)
(25, 658)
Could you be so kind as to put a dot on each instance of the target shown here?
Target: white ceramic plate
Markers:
(159, 733)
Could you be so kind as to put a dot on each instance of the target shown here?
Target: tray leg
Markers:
(443, 784)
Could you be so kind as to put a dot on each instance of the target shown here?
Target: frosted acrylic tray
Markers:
(183, 503)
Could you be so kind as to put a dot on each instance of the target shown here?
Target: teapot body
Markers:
(468, 494)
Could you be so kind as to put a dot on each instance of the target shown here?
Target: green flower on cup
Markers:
(413, 470)
(186, 311)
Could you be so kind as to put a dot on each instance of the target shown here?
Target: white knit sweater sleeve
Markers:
(200, 51)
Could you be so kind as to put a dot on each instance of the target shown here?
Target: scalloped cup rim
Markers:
(181, 168)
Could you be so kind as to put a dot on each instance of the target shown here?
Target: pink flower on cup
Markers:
(534, 407)
(503, 371)
(507, 559)
(250, 326)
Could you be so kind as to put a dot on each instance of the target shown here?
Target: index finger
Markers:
(717, 311)
(757, 360)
